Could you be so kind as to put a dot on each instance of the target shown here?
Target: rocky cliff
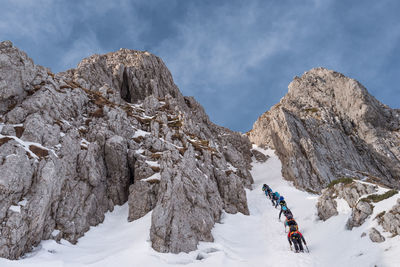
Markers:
(328, 127)
(115, 129)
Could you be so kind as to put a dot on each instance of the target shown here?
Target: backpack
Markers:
(288, 214)
(295, 235)
(293, 225)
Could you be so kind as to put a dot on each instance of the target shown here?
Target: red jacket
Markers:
(290, 234)
(289, 237)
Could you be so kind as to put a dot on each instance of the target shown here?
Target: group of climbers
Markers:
(294, 236)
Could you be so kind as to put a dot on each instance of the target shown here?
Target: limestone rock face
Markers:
(359, 214)
(326, 207)
(390, 221)
(260, 157)
(328, 126)
(350, 192)
(115, 129)
(19, 76)
(142, 198)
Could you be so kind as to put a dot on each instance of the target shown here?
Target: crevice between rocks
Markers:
(125, 90)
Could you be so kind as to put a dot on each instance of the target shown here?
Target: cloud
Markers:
(238, 58)
(218, 52)
(235, 57)
(30, 19)
(81, 48)
(223, 43)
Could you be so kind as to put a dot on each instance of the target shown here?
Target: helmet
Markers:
(281, 198)
(284, 208)
(264, 185)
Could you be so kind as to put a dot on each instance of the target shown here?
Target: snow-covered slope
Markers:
(255, 240)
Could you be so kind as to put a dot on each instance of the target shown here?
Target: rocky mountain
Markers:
(115, 129)
(328, 127)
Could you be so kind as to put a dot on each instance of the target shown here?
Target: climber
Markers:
(288, 214)
(275, 198)
(296, 237)
(266, 190)
(290, 222)
(269, 193)
(282, 202)
(265, 187)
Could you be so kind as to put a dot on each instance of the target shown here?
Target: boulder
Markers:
(359, 214)
(390, 221)
(260, 157)
(375, 236)
(326, 207)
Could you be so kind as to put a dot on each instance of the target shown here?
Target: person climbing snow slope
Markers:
(269, 193)
(288, 214)
(275, 198)
(290, 222)
(282, 201)
(297, 238)
(267, 190)
(265, 187)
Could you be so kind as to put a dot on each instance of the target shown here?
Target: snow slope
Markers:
(255, 240)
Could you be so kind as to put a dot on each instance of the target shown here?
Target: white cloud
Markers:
(66, 27)
(222, 44)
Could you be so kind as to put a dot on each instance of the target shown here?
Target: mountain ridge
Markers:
(116, 129)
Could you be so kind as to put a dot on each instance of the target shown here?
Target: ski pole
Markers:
(308, 251)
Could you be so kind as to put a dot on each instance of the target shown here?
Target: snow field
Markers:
(255, 240)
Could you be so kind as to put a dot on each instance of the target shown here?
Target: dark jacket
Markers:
(286, 212)
(296, 235)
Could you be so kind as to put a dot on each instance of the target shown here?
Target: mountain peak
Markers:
(328, 126)
(319, 83)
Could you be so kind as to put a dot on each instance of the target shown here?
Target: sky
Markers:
(235, 57)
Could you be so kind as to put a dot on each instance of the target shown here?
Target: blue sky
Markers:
(235, 57)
